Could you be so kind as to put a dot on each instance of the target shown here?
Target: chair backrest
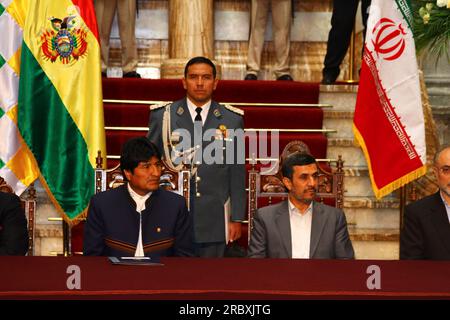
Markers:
(267, 189)
(28, 201)
(171, 180)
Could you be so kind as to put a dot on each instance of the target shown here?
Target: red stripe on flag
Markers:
(87, 12)
(388, 157)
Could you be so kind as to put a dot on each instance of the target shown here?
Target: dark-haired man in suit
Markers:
(426, 228)
(139, 218)
(299, 227)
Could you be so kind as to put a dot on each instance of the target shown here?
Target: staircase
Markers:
(373, 224)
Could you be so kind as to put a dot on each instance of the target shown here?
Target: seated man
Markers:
(138, 219)
(13, 226)
(426, 228)
(300, 227)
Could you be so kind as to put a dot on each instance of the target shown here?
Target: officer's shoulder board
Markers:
(234, 109)
(154, 107)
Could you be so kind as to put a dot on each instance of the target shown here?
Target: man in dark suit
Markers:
(218, 178)
(426, 228)
(342, 23)
(300, 227)
(13, 226)
(138, 219)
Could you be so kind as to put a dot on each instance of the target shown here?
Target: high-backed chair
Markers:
(266, 189)
(29, 205)
(106, 179)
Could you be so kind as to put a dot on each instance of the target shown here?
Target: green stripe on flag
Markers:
(2, 61)
(405, 8)
(1, 162)
(54, 138)
(2, 8)
(1, 112)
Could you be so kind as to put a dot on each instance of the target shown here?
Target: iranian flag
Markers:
(60, 110)
(388, 122)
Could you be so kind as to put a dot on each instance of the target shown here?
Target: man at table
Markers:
(300, 227)
(426, 229)
(139, 218)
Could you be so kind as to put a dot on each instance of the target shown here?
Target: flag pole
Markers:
(351, 57)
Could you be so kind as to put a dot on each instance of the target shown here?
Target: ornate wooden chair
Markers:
(266, 189)
(29, 206)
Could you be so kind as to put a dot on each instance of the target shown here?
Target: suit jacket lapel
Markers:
(438, 216)
(283, 224)
(318, 223)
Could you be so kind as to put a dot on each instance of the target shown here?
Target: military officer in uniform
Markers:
(217, 189)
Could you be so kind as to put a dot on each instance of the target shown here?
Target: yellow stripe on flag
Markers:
(14, 62)
(18, 10)
(23, 165)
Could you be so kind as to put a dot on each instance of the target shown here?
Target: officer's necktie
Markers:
(198, 117)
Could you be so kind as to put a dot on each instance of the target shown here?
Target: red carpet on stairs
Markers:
(228, 91)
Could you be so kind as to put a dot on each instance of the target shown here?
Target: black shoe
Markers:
(329, 76)
(131, 74)
(285, 77)
(328, 79)
(251, 76)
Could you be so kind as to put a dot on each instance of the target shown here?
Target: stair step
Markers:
(371, 234)
(137, 115)
(342, 121)
(342, 97)
(388, 202)
(350, 171)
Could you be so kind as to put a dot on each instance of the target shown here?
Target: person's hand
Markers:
(234, 231)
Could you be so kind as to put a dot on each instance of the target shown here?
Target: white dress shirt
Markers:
(140, 206)
(204, 113)
(300, 231)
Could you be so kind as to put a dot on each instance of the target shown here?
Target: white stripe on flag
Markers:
(13, 33)
(6, 3)
(10, 145)
(9, 88)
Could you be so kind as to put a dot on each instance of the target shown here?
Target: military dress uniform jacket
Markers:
(112, 225)
(216, 183)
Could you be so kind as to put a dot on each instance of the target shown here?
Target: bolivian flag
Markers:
(60, 111)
